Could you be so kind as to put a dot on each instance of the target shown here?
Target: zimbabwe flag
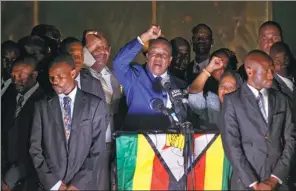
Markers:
(155, 162)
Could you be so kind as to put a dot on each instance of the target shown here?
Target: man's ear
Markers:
(73, 73)
(249, 71)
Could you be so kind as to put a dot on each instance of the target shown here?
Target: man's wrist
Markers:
(144, 37)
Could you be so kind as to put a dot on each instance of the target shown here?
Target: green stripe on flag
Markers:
(126, 153)
(227, 172)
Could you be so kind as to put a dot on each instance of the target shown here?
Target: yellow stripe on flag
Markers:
(144, 165)
(214, 166)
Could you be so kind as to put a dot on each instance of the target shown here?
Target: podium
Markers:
(154, 161)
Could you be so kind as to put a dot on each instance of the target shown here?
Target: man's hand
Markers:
(63, 187)
(215, 64)
(262, 186)
(72, 187)
(4, 187)
(272, 181)
(153, 32)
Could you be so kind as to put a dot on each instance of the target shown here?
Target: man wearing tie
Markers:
(68, 133)
(140, 83)
(258, 134)
(17, 110)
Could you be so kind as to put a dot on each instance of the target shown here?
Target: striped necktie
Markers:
(261, 106)
(67, 116)
(108, 93)
(19, 105)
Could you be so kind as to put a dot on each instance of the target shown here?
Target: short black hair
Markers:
(45, 30)
(162, 40)
(33, 42)
(232, 59)
(67, 42)
(10, 46)
(199, 26)
(272, 23)
(280, 47)
(27, 60)
(179, 41)
(62, 57)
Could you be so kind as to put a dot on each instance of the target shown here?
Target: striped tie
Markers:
(108, 93)
(19, 105)
(67, 116)
(261, 106)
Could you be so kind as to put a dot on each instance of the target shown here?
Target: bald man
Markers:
(257, 130)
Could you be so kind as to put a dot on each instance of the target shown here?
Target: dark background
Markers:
(234, 24)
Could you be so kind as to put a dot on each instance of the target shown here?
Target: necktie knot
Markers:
(67, 101)
(158, 78)
(20, 100)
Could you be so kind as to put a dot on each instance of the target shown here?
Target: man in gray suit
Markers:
(258, 134)
(68, 133)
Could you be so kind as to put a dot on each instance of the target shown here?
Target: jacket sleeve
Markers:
(123, 69)
(282, 167)
(47, 178)
(231, 140)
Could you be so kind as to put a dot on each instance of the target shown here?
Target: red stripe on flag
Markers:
(160, 177)
(199, 174)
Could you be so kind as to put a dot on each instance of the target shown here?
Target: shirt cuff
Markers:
(57, 185)
(280, 181)
(251, 185)
(140, 41)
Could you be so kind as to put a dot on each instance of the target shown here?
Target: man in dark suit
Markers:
(68, 133)
(284, 70)
(258, 134)
(16, 120)
(140, 82)
(202, 42)
(85, 80)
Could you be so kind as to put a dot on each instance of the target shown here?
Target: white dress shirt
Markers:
(72, 95)
(28, 94)
(6, 85)
(78, 80)
(266, 106)
(287, 81)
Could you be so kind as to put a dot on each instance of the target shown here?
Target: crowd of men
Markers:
(61, 104)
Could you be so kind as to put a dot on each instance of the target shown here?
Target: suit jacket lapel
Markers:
(271, 106)
(79, 106)
(55, 109)
(283, 87)
(252, 108)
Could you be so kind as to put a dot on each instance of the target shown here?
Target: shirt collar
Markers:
(72, 94)
(30, 92)
(203, 62)
(78, 77)
(256, 92)
(164, 75)
(105, 71)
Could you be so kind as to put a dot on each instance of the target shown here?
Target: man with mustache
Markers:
(202, 42)
(96, 53)
(257, 129)
(181, 57)
(68, 132)
(140, 82)
(17, 109)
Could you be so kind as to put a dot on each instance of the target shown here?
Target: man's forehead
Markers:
(98, 40)
(257, 59)
(202, 31)
(269, 29)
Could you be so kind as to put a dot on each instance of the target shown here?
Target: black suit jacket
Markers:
(257, 150)
(15, 136)
(280, 85)
(190, 76)
(90, 84)
(75, 162)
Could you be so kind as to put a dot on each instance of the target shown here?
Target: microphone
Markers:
(156, 104)
(177, 99)
(165, 83)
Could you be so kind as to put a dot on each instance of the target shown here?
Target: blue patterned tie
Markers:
(261, 106)
(67, 116)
